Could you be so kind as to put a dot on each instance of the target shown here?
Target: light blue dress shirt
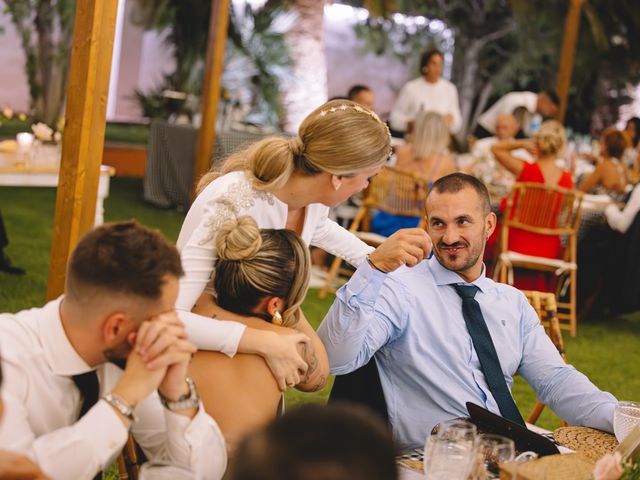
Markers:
(411, 322)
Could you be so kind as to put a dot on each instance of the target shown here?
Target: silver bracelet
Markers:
(190, 400)
(121, 406)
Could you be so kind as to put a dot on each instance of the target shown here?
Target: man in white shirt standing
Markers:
(430, 92)
(69, 406)
(524, 106)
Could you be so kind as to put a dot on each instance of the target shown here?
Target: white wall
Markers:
(14, 89)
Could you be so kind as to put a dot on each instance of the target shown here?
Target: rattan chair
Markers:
(544, 303)
(553, 211)
(129, 460)
(392, 191)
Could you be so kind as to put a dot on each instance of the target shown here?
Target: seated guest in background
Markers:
(621, 220)
(261, 280)
(546, 146)
(430, 92)
(631, 154)
(314, 442)
(442, 333)
(72, 404)
(506, 128)
(426, 155)
(14, 466)
(609, 176)
(524, 104)
(363, 95)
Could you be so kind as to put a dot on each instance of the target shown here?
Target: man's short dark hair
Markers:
(314, 442)
(551, 95)
(426, 56)
(455, 182)
(122, 257)
(355, 90)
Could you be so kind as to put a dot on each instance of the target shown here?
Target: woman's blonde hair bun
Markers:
(551, 138)
(238, 239)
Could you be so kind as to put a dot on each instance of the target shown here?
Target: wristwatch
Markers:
(189, 400)
(121, 406)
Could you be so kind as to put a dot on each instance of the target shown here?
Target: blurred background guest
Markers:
(363, 95)
(610, 175)
(631, 153)
(429, 92)
(524, 106)
(427, 156)
(547, 146)
(314, 442)
(5, 263)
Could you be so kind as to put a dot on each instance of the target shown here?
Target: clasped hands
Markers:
(159, 360)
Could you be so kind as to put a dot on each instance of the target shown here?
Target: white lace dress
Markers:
(228, 197)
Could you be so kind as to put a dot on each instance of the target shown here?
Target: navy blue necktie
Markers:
(486, 352)
(89, 388)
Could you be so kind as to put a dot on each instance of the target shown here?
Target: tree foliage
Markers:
(45, 28)
(504, 45)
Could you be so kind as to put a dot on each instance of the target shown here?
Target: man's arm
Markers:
(356, 325)
(77, 451)
(569, 393)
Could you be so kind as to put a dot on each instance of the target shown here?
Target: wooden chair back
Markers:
(544, 303)
(395, 192)
(541, 209)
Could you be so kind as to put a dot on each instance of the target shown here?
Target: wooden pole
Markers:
(83, 142)
(567, 55)
(211, 85)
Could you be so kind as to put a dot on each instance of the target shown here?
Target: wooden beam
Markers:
(83, 142)
(567, 55)
(218, 26)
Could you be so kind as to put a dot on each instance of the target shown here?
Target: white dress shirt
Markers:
(621, 220)
(418, 94)
(43, 405)
(229, 197)
(508, 104)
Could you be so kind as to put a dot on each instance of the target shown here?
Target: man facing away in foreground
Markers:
(443, 334)
(108, 357)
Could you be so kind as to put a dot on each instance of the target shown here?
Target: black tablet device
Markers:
(525, 440)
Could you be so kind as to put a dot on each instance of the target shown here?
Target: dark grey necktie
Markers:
(486, 352)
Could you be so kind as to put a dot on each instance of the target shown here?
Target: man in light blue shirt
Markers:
(405, 313)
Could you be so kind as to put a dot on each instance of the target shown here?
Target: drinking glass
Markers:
(156, 470)
(494, 450)
(625, 417)
(448, 455)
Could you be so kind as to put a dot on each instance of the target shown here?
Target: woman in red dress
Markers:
(546, 146)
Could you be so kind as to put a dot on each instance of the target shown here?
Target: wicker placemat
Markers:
(572, 466)
(412, 464)
(588, 441)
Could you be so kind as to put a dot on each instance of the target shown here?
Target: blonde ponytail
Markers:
(340, 137)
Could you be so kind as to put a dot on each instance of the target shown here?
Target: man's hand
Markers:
(16, 467)
(407, 246)
(279, 351)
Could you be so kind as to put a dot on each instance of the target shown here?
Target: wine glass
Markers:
(625, 417)
(494, 450)
(449, 454)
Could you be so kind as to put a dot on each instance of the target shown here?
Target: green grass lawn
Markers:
(606, 350)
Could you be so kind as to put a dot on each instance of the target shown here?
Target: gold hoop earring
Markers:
(277, 318)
